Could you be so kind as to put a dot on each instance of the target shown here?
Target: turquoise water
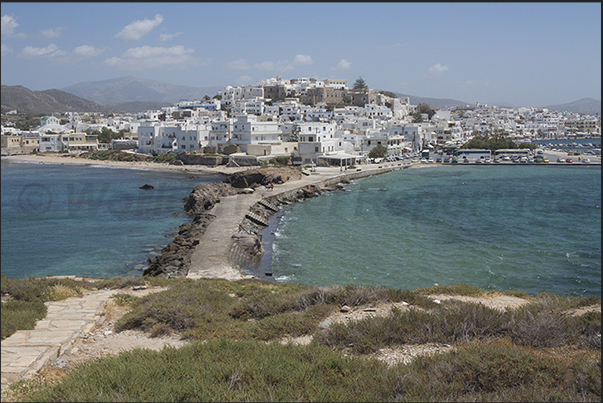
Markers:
(530, 228)
(86, 220)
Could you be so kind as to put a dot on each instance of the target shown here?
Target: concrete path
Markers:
(25, 352)
(210, 257)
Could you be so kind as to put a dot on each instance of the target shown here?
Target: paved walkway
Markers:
(211, 257)
(25, 352)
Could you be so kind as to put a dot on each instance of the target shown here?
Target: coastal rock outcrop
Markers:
(175, 258)
(254, 178)
(205, 196)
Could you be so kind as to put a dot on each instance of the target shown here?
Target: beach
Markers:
(71, 160)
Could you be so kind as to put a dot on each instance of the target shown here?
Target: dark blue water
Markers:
(85, 220)
(530, 228)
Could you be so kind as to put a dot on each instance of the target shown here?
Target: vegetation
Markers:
(280, 161)
(388, 94)
(534, 353)
(495, 141)
(359, 84)
(379, 151)
(105, 135)
(422, 109)
(113, 155)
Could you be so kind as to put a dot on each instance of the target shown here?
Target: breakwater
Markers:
(224, 235)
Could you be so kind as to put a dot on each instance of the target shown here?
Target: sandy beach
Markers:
(72, 160)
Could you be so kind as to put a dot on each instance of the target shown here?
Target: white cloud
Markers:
(280, 66)
(436, 70)
(5, 50)
(243, 80)
(87, 51)
(30, 51)
(52, 32)
(302, 60)
(147, 57)
(342, 65)
(167, 37)
(265, 66)
(9, 24)
(138, 29)
(239, 64)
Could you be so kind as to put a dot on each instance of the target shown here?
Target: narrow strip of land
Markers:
(211, 257)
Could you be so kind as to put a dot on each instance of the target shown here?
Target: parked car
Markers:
(560, 160)
(569, 160)
(438, 159)
(586, 161)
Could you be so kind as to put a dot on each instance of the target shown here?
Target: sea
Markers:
(520, 227)
(515, 227)
(88, 220)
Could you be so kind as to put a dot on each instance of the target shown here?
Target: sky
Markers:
(520, 54)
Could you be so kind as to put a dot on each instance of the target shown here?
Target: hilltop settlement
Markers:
(305, 120)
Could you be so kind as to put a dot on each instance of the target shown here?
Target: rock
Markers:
(60, 362)
(205, 196)
(139, 287)
(250, 244)
(325, 324)
(254, 178)
(345, 308)
(146, 186)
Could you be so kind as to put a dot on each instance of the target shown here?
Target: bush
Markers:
(21, 315)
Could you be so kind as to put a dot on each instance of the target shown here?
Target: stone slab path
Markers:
(25, 352)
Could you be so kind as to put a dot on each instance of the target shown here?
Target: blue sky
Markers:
(522, 54)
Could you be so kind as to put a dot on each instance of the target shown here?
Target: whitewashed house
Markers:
(251, 129)
(318, 139)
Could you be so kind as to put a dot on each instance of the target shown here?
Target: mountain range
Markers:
(131, 95)
(132, 89)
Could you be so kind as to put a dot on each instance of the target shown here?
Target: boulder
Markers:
(146, 186)
(205, 196)
(254, 178)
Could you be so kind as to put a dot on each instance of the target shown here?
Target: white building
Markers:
(318, 139)
(251, 129)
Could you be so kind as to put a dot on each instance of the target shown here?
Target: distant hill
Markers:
(132, 89)
(442, 103)
(138, 106)
(45, 102)
(587, 106)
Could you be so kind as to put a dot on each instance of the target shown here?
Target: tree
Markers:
(423, 109)
(360, 84)
(378, 151)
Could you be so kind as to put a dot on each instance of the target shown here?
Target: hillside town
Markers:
(310, 121)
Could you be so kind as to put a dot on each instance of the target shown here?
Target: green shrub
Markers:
(21, 315)
(226, 371)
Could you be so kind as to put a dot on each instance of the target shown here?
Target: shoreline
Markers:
(68, 159)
